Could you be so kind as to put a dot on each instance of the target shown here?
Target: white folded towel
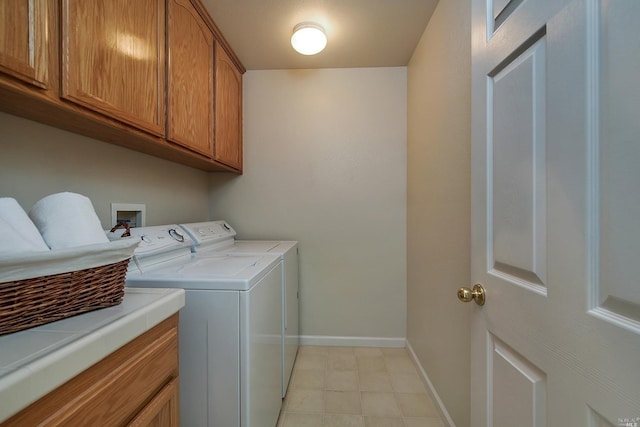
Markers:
(14, 217)
(67, 220)
(12, 242)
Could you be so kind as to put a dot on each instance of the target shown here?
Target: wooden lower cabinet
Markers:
(136, 385)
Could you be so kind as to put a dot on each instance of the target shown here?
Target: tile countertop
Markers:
(36, 361)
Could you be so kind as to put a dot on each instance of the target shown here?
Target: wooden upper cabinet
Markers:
(228, 96)
(156, 76)
(23, 40)
(113, 59)
(190, 78)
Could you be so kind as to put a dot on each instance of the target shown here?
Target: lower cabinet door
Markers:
(162, 411)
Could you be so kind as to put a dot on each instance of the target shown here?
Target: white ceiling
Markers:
(361, 33)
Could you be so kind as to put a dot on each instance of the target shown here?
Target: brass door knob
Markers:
(477, 294)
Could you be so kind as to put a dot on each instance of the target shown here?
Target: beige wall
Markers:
(438, 209)
(383, 225)
(325, 156)
(37, 160)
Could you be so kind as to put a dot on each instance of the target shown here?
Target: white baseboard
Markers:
(353, 341)
(430, 389)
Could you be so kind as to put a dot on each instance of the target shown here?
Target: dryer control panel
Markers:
(210, 234)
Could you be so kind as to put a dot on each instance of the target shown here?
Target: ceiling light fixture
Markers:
(308, 38)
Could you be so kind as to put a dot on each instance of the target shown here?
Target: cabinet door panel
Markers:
(23, 50)
(113, 59)
(162, 411)
(228, 142)
(190, 78)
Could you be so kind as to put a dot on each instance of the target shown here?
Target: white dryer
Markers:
(219, 236)
(230, 327)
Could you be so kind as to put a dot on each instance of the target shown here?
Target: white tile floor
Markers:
(356, 387)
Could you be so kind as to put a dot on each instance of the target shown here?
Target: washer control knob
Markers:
(176, 235)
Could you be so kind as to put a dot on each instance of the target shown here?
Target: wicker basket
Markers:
(30, 302)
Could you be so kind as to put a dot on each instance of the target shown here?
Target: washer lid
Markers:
(213, 271)
(241, 246)
(221, 265)
(262, 246)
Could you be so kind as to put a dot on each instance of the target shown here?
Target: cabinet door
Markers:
(162, 411)
(23, 49)
(113, 59)
(190, 78)
(228, 142)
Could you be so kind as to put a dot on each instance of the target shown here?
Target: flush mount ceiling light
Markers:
(308, 38)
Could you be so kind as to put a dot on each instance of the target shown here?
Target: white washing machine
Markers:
(230, 327)
(220, 236)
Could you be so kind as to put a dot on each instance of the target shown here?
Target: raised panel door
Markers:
(190, 78)
(228, 142)
(113, 59)
(162, 411)
(23, 40)
(554, 213)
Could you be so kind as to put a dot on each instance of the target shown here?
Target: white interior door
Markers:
(556, 212)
